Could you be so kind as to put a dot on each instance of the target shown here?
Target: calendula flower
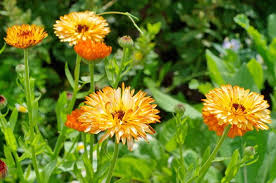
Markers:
(25, 36)
(118, 112)
(78, 26)
(3, 169)
(92, 51)
(235, 106)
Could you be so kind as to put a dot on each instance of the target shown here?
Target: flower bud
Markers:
(179, 108)
(125, 42)
(21, 108)
(3, 169)
(249, 151)
(20, 68)
(3, 102)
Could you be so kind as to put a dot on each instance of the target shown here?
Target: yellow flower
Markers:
(235, 106)
(21, 108)
(78, 26)
(90, 50)
(25, 36)
(117, 112)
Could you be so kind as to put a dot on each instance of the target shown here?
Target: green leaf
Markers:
(232, 168)
(3, 48)
(216, 68)
(13, 118)
(10, 139)
(244, 79)
(69, 76)
(48, 170)
(168, 103)
(137, 169)
(269, 159)
(271, 25)
(256, 70)
(60, 113)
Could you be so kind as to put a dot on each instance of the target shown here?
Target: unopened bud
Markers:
(3, 102)
(3, 169)
(179, 108)
(21, 108)
(125, 41)
(249, 151)
(20, 68)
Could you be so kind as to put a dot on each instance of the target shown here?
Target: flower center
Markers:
(82, 28)
(25, 33)
(238, 106)
(119, 115)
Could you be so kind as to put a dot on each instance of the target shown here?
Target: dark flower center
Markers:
(238, 106)
(82, 28)
(25, 33)
(119, 115)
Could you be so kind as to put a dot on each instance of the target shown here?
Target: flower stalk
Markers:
(212, 156)
(61, 137)
(113, 162)
(32, 124)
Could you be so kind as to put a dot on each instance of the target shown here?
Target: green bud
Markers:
(3, 102)
(179, 108)
(249, 151)
(125, 41)
(20, 68)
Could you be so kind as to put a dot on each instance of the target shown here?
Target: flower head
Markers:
(3, 169)
(78, 26)
(90, 50)
(117, 112)
(235, 106)
(25, 36)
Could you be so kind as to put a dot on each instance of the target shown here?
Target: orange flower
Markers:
(3, 169)
(118, 112)
(78, 26)
(235, 106)
(90, 50)
(25, 36)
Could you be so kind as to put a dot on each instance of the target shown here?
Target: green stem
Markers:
(115, 156)
(92, 89)
(118, 78)
(28, 93)
(91, 70)
(130, 16)
(18, 166)
(61, 137)
(35, 165)
(91, 150)
(76, 84)
(208, 163)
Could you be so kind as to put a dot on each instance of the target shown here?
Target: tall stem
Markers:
(91, 70)
(76, 83)
(92, 89)
(28, 92)
(118, 78)
(208, 163)
(29, 96)
(114, 159)
(18, 166)
(61, 137)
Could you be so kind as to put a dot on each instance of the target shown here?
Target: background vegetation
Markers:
(188, 48)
